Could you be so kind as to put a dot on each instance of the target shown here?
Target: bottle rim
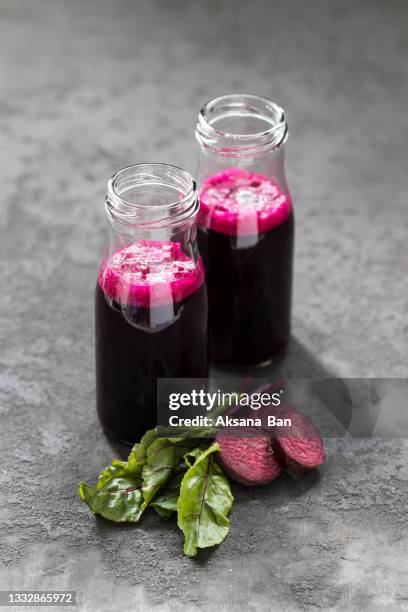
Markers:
(233, 144)
(147, 215)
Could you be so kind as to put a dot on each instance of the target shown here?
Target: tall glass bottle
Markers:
(246, 228)
(151, 301)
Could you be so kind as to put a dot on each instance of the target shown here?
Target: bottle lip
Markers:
(233, 144)
(174, 211)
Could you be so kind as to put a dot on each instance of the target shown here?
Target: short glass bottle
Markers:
(151, 300)
(246, 228)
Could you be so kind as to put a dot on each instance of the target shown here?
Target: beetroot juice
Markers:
(246, 228)
(246, 239)
(151, 322)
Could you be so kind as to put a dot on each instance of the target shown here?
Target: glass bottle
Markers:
(151, 301)
(246, 228)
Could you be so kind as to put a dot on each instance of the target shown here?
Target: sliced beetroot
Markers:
(298, 446)
(250, 461)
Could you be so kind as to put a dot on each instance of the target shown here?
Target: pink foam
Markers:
(238, 202)
(150, 273)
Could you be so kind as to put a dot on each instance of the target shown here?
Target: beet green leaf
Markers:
(163, 455)
(117, 495)
(137, 457)
(204, 502)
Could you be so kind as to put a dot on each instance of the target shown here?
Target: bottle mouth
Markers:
(241, 124)
(152, 195)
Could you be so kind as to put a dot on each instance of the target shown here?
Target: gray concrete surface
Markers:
(89, 86)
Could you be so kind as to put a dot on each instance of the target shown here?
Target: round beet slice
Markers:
(299, 445)
(250, 461)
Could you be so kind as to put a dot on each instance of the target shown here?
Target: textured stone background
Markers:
(91, 85)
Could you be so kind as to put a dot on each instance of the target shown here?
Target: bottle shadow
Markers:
(325, 389)
(296, 361)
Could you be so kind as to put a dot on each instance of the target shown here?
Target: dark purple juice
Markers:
(151, 322)
(246, 239)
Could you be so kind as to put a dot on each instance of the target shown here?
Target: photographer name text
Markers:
(227, 421)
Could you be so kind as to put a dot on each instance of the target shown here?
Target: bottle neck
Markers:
(151, 260)
(241, 126)
(242, 131)
(152, 202)
(243, 189)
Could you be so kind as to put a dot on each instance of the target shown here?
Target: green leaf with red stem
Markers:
(204, 503)
(117, 495)
(162, 456)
